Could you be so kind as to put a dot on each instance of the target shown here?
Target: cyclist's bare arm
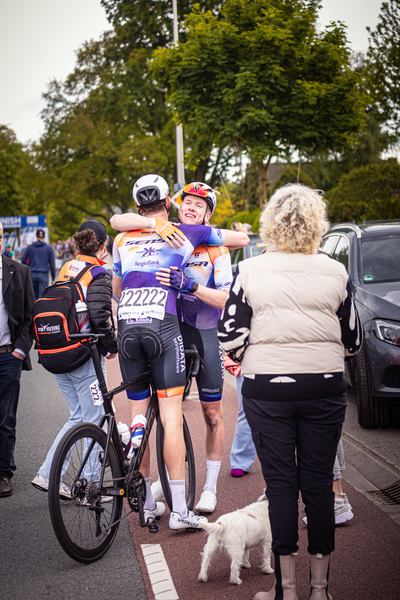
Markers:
(235, 239)
(215, 298)
(117, 286)
(132, 221)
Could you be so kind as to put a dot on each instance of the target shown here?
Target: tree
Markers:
(368, 193)
(260, 78)
(384, 64)
(108, 123)
(14, 160)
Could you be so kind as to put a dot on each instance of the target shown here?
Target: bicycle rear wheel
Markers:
(87, 523)
(190, 469)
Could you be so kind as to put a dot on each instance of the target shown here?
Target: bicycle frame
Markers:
(109, 417)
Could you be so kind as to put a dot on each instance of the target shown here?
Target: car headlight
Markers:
(387, 331)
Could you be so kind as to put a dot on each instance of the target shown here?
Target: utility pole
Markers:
(180, 167)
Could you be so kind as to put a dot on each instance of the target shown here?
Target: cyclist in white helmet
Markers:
(148, 333)
(198, 311)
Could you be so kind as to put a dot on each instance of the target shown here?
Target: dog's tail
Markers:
(217, 528)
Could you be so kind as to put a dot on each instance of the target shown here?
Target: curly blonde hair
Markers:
(294, 219)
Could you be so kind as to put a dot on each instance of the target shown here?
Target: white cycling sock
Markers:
(179, 497)
(213, 467)
(150, 503)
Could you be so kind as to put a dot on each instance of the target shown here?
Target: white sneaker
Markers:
(207, 502)
(157, 491)
(42, 483)
(158, 511)
(192, 521)
(343, 511)
(65, 492)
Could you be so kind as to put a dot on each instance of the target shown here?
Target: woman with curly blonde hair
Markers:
(289, 320)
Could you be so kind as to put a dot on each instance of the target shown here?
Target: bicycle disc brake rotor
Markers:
(135, 485)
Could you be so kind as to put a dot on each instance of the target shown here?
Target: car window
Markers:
(341, 252)
(329, 244)
(236, 256)
(380, 260)
(256, 249)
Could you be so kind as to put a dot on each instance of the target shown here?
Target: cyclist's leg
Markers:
(168, 369)
(133, 363)
(209, 383)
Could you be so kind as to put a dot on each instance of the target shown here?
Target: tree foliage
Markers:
(384, 64)
(108, 123)
(260, 77)
(15, 192)
(367, 193)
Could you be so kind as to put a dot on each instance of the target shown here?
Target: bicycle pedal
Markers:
(152, 526)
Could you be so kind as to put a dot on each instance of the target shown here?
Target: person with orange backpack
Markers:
(95, 283)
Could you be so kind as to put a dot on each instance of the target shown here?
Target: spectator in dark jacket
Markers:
(39, 256)
(96, 284)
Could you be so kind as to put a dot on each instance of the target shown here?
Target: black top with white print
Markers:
(234, 325)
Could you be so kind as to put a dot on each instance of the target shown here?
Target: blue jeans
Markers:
(75, 389)
(243, 451)
(10, 376)
(40, 281)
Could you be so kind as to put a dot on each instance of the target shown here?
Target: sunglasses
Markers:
(197, 189)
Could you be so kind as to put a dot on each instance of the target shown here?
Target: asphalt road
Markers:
(33, 564)
(365, 565)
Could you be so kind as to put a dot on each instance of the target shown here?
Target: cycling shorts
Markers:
(210, 381)
(158, 346)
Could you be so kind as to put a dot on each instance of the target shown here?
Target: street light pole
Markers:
(180, 168)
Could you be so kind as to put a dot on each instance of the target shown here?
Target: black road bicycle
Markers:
(90, 460)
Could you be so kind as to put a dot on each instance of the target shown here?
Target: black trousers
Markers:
(296, 443)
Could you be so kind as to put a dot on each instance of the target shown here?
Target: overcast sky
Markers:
(38, 40)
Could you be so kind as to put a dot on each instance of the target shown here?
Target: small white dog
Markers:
(237, 532)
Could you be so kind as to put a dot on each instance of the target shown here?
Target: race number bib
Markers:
(96, 393)
(142, 302)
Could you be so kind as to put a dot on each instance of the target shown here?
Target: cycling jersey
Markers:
(209, 266)
(148, 328)
(138, 255)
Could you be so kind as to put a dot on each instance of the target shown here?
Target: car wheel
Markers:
(371, 413)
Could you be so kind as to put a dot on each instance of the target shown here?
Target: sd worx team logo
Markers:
(149, 252)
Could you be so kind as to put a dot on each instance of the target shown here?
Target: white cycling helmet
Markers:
(149, 189)
(202, 190)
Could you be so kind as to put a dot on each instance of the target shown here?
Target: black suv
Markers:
(371, 255)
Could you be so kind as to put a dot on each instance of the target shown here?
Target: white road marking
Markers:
(193, 396)
(159, 573)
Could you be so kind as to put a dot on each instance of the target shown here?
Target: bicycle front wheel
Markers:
(190, 469)
(87, 522)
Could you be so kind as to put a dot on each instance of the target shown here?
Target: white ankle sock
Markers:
(213, 467)
(150, 503)
(179, 497)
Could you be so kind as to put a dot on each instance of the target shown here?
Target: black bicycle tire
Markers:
(189, 461)
(57, 506)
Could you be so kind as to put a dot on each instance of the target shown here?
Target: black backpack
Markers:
(54, 319)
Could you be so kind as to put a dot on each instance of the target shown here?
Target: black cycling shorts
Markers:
(210, 382)
(158, 346)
